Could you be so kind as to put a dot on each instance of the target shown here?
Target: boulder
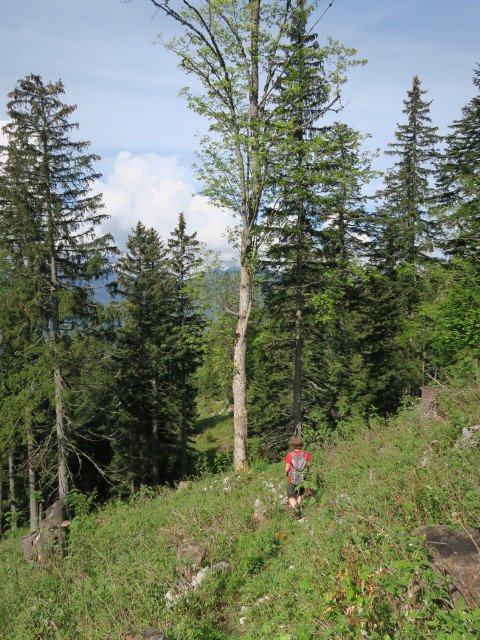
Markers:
(456, 553)
(191, 553)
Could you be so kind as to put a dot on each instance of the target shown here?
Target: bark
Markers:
(239, 383)
(32, 484)
(298, 362)
(12, 497)
(250, 208)
(184, 450)
(155, 437)
(60, 421)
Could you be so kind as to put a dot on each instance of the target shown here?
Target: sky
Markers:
(126, 90)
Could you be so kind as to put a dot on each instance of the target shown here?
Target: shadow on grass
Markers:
(211, 422)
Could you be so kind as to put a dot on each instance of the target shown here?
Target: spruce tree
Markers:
(143, 364)
(405, 226)
(183, 263)
(458, 181)
(48, 224)
(403, 241)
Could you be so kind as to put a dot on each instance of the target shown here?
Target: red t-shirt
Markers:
(288, 459)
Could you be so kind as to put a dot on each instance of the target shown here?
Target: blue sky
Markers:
(126, 88)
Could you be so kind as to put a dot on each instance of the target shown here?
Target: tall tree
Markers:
(403, 243)
(48, 220)
(405, 232)
(458, 181)
(234, 49)
(143, 362)
(183, 264)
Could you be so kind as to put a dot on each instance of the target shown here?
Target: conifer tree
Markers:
(183, 264)
(48, 223)
(143, 363)
(458, 181)
(403, 241)
(405, 226)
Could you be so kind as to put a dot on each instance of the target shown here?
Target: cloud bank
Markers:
(153, 189)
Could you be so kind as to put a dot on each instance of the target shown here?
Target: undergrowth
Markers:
(352, 568)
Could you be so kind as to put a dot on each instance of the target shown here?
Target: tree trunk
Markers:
(239, 384)
(155, 437)
(251, 195)
(183, 459)
(298, 363)
(12, 497)
(58, 385)
(32, 484)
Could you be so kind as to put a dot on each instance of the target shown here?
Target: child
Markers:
(295, 491)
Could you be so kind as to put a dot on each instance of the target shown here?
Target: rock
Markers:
(259, 511)
(191, 553)
(202, 574)
(456, 554)
(184, 484)
(470, 437)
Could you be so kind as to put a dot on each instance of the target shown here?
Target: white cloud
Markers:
(153, 189)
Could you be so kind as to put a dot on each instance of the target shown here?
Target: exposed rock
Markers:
(259, 511)
(456, 553)
(191, 553)
(182, 588)
(184, 484)
(470, 437)
(202, 574)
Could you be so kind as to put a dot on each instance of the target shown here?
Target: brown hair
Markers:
(295, 442)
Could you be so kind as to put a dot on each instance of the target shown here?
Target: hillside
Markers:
(351, 568)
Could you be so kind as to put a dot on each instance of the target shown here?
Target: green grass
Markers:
(352, 569)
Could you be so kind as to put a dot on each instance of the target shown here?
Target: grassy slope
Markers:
(351, 569)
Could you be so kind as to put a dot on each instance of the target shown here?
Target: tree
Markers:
(183, 263)
(234, 49)
(143, 362)
(458, 181)
(48, 222)
(403, 235)
(405, 231)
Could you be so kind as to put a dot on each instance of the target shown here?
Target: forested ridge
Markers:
(341, 309)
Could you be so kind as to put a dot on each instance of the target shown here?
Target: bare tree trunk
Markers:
(58, 384)
(298, 362)
(155, 438)
(32, 483)
(251, 196)
(183, 459)
(12, 497)
(239, 384)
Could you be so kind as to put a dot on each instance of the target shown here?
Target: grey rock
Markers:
(456, 553)
(191, 553)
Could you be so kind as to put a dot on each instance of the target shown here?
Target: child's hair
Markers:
(295, 442)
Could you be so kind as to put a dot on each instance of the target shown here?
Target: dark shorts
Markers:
(294, 490)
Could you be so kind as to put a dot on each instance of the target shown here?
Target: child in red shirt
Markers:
(295, 491)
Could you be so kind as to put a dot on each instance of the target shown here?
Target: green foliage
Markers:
(351, 569)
